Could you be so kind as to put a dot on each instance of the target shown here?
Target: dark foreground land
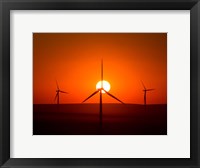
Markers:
(83, 119)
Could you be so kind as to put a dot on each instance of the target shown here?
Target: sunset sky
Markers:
(74, 60)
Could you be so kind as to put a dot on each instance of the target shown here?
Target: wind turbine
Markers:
(145, 92)
(58, 91)
(100, 92)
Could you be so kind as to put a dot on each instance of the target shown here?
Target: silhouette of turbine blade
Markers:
(149, 89)
(112, 96)
(56, 96)
(143, 85)
(63, 92)
(101, 73)
(91, 95)
(57, 85)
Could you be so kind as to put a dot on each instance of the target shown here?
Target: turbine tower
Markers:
(100, 92)
(58, 91)
(145, 93)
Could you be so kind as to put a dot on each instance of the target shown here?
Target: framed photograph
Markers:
(98, 111)
(91, 83)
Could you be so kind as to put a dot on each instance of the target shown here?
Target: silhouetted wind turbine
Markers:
(145, 92)
(58, 91)
(100, 91)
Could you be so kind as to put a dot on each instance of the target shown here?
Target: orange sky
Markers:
(74, 60)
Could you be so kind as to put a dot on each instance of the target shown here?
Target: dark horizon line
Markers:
(97, 103)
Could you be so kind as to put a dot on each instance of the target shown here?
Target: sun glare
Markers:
(106, 85)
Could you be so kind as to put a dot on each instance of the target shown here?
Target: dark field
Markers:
(83, 119)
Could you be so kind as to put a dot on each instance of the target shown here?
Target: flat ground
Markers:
(83, 119)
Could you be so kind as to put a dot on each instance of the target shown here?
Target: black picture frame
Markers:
(7, 5)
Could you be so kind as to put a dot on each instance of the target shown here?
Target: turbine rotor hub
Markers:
(100, 89)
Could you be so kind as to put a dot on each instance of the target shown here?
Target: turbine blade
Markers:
(143, 85)
(63, 92)
(101, 73)
(56, 96)
(113, 96)
(91, 95)
(150, 89)
(57, 85)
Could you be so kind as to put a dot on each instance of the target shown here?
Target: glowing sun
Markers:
(106, 85)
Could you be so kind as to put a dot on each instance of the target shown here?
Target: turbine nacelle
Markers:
(148, 90)
(101, 90)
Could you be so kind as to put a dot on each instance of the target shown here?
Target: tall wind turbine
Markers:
(100, 92)
(58, 91)
(145, 93)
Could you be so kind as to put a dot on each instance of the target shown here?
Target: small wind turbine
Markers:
(58, 91)
(100, 92)
(145, 93)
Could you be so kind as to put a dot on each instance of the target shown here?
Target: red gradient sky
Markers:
(74, 60)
